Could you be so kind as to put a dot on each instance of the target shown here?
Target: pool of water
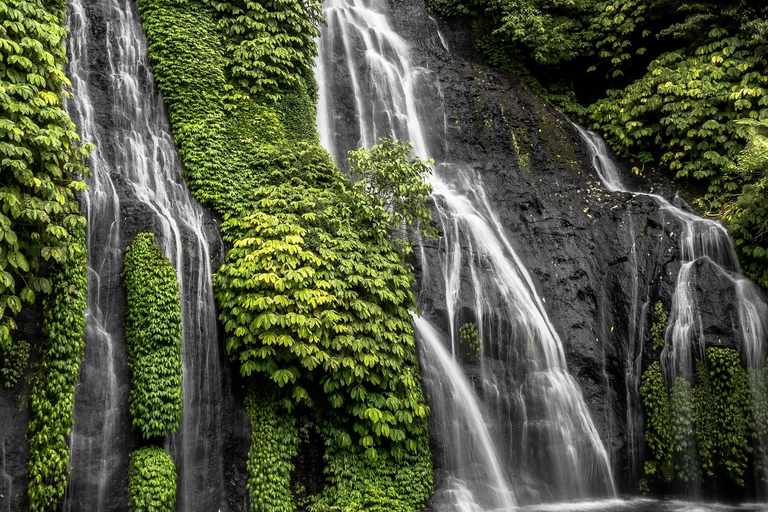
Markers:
(643, 505)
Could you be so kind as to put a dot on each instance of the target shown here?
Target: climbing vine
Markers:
(13, 361)
(658, 434)
(41, 158)
(51, 402)
(470, 338)
(658, 326)
(151, 481)
(274, 442)
(153, 338)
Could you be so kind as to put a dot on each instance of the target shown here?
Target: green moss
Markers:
(151, 481)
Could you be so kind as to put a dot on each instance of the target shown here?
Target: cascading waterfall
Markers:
(136, 174)
(539, 428)
(701, 239)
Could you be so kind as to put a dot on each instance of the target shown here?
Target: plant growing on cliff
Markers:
(40, 155)
(151, 481)
(51, 402)
(395, 186)
(13, 361)
(470, 338)
(153, 338)
(658, 326)
(658, 434)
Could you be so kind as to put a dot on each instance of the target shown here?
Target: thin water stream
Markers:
(136, 185)
(530, 422)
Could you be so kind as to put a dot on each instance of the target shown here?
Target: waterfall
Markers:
(136, 186)
(538, 426)
(701, 240)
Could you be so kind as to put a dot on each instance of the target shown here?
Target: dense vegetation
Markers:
(686, 89)
(153, 338)
(40, 156)
(707, 431)
(151, 481)
(314, 295)
(53, 395)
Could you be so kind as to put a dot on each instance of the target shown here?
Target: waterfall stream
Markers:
(701, 240)
(521, 417)
(135, 186)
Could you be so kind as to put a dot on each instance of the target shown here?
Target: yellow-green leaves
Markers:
(153, 337)
(53, 394)
(151, 481)
(40, 154)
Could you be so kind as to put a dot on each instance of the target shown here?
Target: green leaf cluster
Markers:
(40, 154)
(314, 295)
(151, 481)
(274, 443)
(705, 432)
(360, 483)
(658, 326)
(13, 362)
(153, 338)
(271, 43)
(51, 402)
(469, 337)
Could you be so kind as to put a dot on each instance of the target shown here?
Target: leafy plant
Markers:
(151, 481)
(469, 337)
(13, 361)
(274, 442)
(40, 155)
(314, 295)
(659, 326)
(51, 402)
(658, 434)
(153, 337)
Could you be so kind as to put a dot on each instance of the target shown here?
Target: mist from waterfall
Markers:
(539, 431)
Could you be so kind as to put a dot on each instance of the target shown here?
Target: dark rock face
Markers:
(600, 260)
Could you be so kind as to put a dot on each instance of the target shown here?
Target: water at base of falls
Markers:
(515, 422)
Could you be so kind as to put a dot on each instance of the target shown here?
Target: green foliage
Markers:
(395, 185)
(705, 424)
(748, 221)
(358, 483)
(759, 385)
(51, 403)
(683, 440)
(39, 155)
(729, 408)
(13, 362)
(659, 326)
(271, 42)
(658, 431)
(153, 338)
(274, 442)
(469, 337)
(314, 295)
(151, 481)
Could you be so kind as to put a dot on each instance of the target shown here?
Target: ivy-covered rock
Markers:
(153, 337)
(53, 394)
(151, 481)
(41, 158)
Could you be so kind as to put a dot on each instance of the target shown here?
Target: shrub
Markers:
(151, 481)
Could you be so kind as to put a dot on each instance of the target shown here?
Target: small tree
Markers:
(396, 183)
